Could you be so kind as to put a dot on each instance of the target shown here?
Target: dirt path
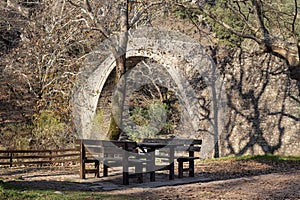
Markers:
(271, 186)
(227, 179)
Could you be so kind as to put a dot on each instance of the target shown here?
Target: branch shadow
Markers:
(249, 107)
(205, 172)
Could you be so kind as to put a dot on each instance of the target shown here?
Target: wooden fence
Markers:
(38, 157)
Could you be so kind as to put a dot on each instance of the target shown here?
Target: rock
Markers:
(58, 192)
(96, 188)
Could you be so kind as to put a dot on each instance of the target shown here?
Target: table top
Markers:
(156, 144)
(151, 144)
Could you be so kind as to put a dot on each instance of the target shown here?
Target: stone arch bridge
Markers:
(181, 65)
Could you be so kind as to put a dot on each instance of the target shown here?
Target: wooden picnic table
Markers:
(125, 154)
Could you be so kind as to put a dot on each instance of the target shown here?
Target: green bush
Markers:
(16, 136)
(150, 121)
(49, 130)
(98, 125)
(221, 10)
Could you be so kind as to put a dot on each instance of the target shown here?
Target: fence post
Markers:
(50, 157)
(11, 159)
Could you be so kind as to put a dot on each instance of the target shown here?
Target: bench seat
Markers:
(193, 146)
(110, 153)
(186, 159)
(186, 148)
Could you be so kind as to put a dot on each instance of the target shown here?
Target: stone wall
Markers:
(263, 108)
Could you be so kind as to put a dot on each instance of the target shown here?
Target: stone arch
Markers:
(180, 56)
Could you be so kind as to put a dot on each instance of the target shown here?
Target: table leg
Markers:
(152, 165)
(171, 171)
(125, 168)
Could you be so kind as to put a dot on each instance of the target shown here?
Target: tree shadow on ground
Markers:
(257, 165)
(205, 172)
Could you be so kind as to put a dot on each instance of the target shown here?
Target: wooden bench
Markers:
(158, 157)
(184, 152)
(88, 156)
(110, 153)
(191, 146)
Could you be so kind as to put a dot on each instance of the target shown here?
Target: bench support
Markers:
(195, 146)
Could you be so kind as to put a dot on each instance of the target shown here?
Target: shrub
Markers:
(16, 135)
(49, 131)
(149, 120)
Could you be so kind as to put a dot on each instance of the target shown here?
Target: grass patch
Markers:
(267, 157)
(11, 192)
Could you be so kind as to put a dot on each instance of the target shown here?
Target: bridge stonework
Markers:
(181, 65)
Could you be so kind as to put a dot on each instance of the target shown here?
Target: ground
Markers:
(271, 186)
(218, 179)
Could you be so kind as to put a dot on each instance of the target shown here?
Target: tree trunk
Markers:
(287, 51)
(290, 53)
(115, 131)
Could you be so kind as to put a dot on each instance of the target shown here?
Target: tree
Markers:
(53, 47)
(273, 25)
(120, 55)
(108, 19)
(47, 44)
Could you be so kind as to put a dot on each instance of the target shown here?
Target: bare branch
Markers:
(101, 30)
(16, 6)
(88, 6)
(242, 16)
(153, 82)
(260, 17)
(137, 16)
(295, 16)
(74, 4)
(199, 29)
(294, 29)
(96, 25)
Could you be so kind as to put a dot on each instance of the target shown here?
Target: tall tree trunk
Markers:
(115, 131)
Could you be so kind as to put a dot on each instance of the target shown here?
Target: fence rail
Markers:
(38, 157)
